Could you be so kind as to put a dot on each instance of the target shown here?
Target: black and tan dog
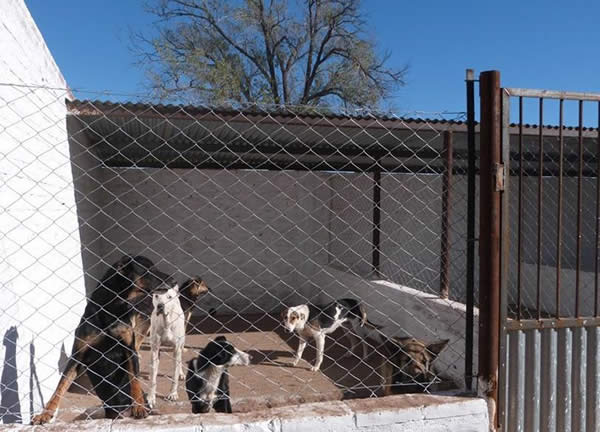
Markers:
(108, 337)
(190, 291)
(408, 360)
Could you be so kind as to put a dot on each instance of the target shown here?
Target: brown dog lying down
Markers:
(408, 360)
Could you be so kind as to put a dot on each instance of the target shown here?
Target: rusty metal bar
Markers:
(520, 217)
(470, 228)
(376, 221)
(560, 205)
(555, 323)
(489, 235)
(445, 237)
(579, 211)
(539, 209)
(597, 219)
(552, 94)
(503, 347)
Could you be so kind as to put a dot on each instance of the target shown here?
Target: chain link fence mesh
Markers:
(271, 207)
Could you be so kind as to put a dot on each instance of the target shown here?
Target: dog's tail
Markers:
(372, 326)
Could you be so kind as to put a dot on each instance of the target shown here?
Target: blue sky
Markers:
(536, 44)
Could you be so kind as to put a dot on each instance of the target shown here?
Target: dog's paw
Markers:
(181, 376)
(295, 362)
(314, 368)
(139, 411)
(151, 401)
(173, 396)
(43, 418)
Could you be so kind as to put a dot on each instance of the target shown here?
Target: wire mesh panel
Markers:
(252, 220)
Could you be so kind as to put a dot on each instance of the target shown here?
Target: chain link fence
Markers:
(270, 207)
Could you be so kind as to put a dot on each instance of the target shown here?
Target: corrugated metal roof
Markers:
(136, 134)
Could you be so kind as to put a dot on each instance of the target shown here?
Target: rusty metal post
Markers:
(470, 81)
(376, 221)
(491, 184)
(445, 239)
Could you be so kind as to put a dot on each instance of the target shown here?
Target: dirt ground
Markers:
(269, 381)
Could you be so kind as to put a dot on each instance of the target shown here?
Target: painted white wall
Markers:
(401, 413)
(41, 277)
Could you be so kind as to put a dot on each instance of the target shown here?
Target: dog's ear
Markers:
(220, 339)
(120, 265)
(283, 314)
(435, 348)
(176, 288)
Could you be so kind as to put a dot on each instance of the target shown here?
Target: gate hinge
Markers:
(499, 174)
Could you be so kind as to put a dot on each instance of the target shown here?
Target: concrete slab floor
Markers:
(270, 381)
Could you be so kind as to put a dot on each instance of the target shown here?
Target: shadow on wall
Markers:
(10, 407)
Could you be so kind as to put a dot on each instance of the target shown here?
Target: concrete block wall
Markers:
(259, 236)
(41, 275)
(246, 232)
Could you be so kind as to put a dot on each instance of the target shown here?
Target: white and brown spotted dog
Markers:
(317, 322)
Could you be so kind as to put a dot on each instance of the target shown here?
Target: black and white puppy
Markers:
(316, 322)
(207, 381)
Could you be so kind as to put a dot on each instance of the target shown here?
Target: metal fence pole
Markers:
(376, 222)
(445, 228)
(470, 228)
(489, 235)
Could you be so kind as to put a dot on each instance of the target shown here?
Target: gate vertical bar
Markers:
(445, 237)
(470, 228)
(504, 248)
(489, 237)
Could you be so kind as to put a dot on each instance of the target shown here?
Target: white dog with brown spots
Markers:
(309, 321)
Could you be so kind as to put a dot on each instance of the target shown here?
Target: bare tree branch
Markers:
(272, 51)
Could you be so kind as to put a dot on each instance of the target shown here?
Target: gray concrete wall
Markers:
(246, 232)
(41, 277)
(259, 236)
(548, 244)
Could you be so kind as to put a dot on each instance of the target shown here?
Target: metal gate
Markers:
(539, 263)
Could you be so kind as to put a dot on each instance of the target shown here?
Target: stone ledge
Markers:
(401, 412)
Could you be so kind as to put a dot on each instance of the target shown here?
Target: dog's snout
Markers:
(160, 308)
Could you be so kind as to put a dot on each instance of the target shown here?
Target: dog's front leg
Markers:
(301, 346)
(354, 341)
(320, 340)
(154, 361)
(172, 396)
